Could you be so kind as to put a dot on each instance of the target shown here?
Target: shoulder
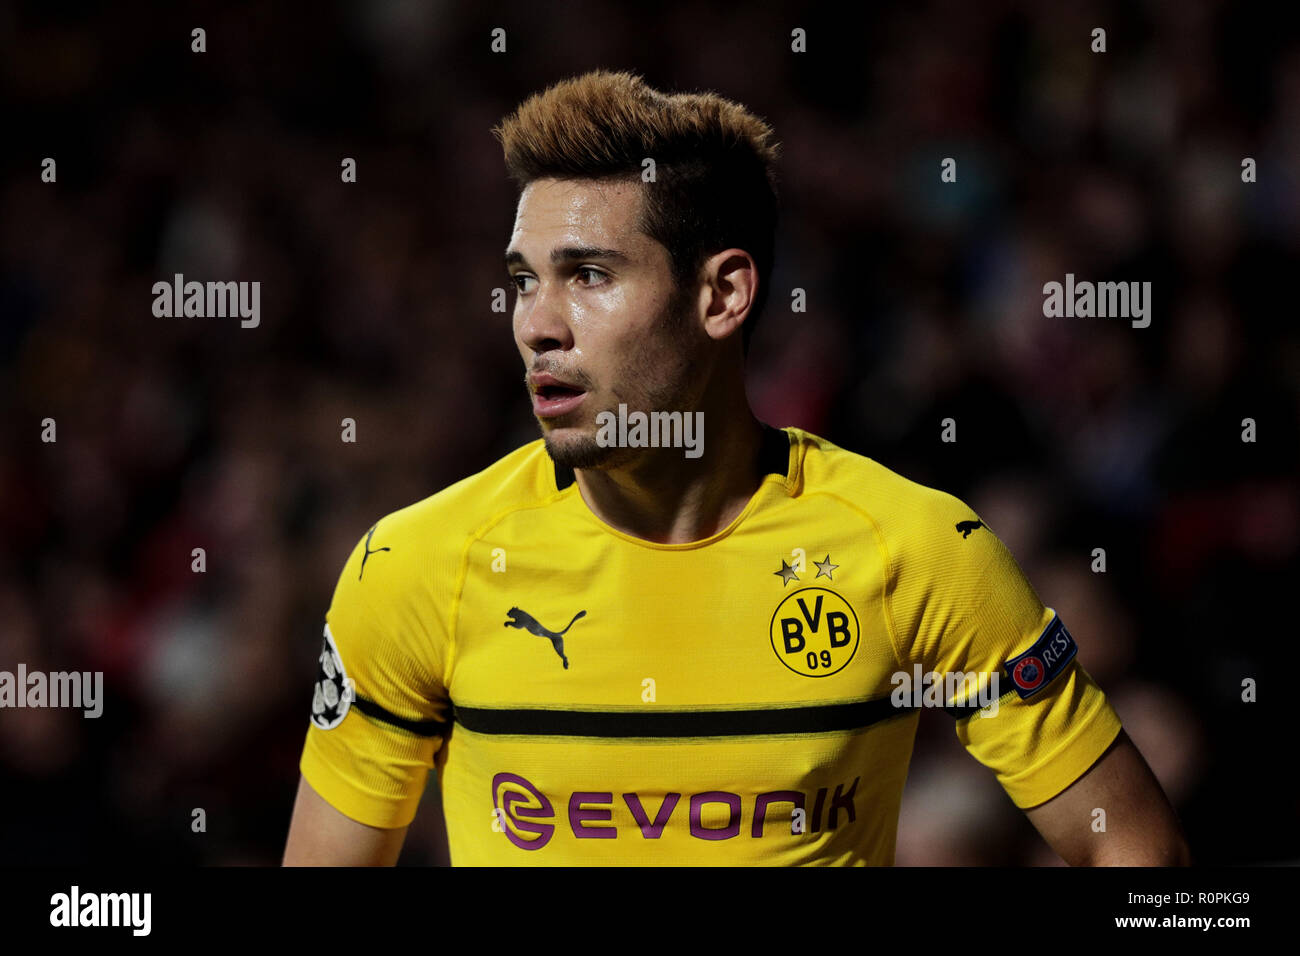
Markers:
(938, 551)
(429, 536)
(949, 575)
(910, 518)
(523, 478)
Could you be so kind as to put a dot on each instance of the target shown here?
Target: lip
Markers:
(543, 379)
(554, 407)
(551, 407)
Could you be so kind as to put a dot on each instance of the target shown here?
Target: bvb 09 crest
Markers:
(814, 632)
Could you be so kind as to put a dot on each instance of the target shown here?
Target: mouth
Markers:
(552, 397)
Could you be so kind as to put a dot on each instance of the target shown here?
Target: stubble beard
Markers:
(667, 390)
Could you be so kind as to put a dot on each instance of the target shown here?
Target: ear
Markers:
(732, 278)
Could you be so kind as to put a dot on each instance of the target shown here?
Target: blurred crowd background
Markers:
(925, 302)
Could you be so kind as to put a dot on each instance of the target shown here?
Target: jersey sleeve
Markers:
(379, 705)
(964, 606)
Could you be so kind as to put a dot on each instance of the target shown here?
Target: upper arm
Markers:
(321, 836)
(1139, 827)
(379, 707)
(965, 607)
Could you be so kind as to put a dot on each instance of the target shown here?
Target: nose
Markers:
(542, 320)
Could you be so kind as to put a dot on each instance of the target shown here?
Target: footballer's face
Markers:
(596, 319)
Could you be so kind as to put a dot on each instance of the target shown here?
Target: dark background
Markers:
(925, 301)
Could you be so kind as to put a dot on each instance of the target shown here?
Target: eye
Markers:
(593, 271)
(516, 279)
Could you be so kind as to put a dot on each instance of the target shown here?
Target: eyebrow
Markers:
(564, 254)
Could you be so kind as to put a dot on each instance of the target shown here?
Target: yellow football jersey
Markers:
(589, 697)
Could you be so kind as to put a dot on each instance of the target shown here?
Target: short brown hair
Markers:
(715, 164)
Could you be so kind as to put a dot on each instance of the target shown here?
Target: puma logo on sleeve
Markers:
(366, 557)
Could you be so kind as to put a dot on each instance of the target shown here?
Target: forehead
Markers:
(593, 211)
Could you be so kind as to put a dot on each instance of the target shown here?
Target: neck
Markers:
(665, 497)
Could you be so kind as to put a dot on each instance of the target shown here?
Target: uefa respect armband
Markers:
(1037, 667)
(1031, 671)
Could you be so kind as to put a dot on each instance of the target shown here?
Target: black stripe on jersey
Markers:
(421, 728)
(683, 723)
(966, 711)
(773, 458)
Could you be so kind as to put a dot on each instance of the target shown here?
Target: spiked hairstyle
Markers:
(715, 164)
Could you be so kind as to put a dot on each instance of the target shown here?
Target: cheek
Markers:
(626, 322)
(598, 320)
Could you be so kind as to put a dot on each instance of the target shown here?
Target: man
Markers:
(632, 644)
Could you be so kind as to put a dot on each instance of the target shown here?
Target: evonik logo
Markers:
(527, 815)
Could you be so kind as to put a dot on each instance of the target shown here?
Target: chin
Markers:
(575, 449)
